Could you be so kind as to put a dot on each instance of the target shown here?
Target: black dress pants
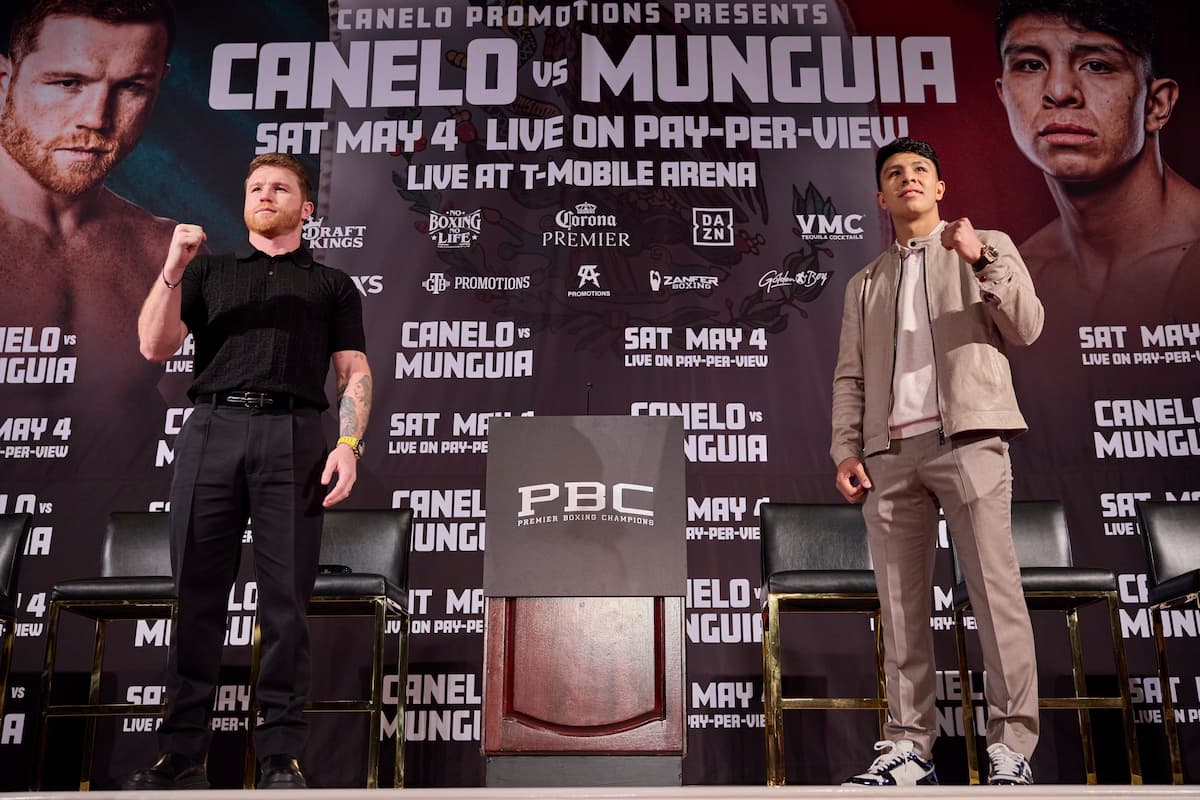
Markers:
(232, 464)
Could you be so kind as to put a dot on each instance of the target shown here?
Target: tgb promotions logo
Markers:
(455, 229)
(319, 236)
(819, 219)
(585, 226)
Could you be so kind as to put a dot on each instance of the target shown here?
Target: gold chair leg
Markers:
(1080, 679)
(47, 681)
(10, 634)
(1131, 743)
(772, 694)
(250, 764)
(968, 706)
(1168, 707)
(880, 672)
(373, 728)
(89, 723)
(401, 704)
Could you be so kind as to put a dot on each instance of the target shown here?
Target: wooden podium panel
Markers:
(583, 675)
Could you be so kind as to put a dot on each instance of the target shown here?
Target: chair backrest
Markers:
(1171, 531)
(370, 541)
(136, 543)
(1040, 535)
(13, 530)
(797, 536)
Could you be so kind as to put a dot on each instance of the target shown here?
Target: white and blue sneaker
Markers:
(1008, 767)
(899, 765)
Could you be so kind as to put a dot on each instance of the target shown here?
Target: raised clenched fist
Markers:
(185, 243)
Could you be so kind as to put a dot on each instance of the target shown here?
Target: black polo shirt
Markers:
(268, 323)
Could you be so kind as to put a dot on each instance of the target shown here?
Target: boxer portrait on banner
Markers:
(923, 405)
(267, 322)
(1086, 105)
(76, 91)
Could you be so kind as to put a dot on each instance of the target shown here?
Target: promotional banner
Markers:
(597, 208)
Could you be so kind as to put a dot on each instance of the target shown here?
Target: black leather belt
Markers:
(276, 401)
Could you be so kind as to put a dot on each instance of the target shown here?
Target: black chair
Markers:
(14, 529)
(135, 583)
(814, 559)
(364, 558)
(1171, 531)
(1051, 582)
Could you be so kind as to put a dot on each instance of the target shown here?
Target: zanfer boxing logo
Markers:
(585, 501)
(712, 227)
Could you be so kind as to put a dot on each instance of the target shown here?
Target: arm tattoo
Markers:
(354, 405)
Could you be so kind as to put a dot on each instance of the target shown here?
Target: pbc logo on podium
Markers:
(590, 500)
(712, 227)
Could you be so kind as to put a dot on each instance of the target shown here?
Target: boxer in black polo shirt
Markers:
(267, 324)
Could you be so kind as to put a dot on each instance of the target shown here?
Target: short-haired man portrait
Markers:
(1086, 104)
(77, 88)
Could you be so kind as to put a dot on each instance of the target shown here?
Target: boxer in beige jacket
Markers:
(923, 405)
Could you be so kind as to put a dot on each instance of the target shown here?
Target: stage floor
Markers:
(1049, 792)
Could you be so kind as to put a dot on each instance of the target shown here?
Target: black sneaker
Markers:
(899, 765)
(280, 772)
(1008, 767)
(171, 771)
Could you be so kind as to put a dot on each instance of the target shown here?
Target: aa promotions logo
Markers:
(712, 227)
(819, 219)
(585, 226)
(437, 282)
(589, 275)
(319, 236)
(681, 283)
(455, 228)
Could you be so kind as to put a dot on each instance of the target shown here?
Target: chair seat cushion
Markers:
(1064, 580)
(115, 591)
(358, 585)
(822, 581)
(1187, 583)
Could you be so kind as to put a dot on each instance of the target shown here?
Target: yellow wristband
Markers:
(355, 445)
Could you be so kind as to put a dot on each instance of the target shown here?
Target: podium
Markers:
(584, 575)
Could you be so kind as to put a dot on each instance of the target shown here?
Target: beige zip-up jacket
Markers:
(970, 320)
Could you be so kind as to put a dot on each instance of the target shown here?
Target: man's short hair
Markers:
(284, 161)
(30, 14)
(905, 145)
(1130, 22)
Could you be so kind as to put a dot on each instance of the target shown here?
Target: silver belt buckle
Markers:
(250, 399)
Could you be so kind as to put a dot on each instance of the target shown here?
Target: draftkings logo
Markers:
(681, 283)
(455, 229)
(712, 227)
(319, 236)
(589, 275)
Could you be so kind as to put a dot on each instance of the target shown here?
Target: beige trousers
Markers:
(971, 477)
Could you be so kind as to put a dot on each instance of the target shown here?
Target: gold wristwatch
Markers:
(355, 445)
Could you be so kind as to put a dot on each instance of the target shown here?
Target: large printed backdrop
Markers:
(622, 208)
